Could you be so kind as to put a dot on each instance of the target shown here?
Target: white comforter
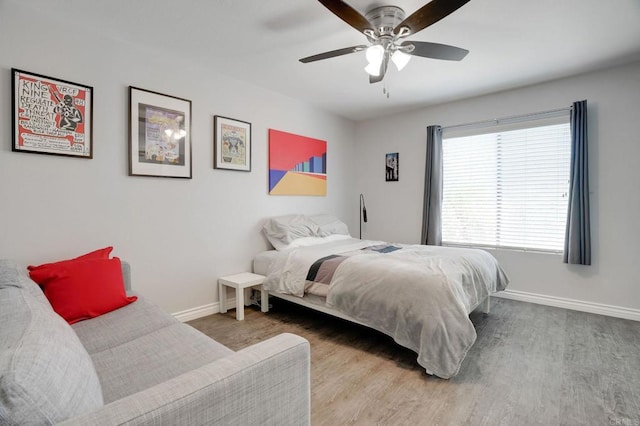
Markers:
(419, 295)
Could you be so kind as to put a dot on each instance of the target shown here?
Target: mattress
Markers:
(262, 261)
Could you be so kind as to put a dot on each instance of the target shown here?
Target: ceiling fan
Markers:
(386, 28)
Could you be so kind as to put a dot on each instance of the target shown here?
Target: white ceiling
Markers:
(511, 42)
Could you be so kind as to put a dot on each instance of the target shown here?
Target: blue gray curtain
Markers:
(577, 242)
(432, 210)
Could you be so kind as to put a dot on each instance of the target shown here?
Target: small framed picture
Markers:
(232, 144)
(159, 135)
(392, 167)
(51, 116)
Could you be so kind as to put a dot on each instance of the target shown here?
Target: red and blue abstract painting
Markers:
(297, 164)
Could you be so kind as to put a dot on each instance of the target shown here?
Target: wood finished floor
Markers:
(530, 365)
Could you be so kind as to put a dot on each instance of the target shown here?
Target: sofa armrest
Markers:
(126, 274)
(264, 384)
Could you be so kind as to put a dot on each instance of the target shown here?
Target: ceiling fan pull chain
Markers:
(385, 89)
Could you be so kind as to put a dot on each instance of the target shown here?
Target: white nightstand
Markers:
(240, 282)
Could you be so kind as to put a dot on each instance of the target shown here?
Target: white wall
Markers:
(179, 235)
(395, 208)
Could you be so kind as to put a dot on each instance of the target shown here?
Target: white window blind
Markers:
(507, 188)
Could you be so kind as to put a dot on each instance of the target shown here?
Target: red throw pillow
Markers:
(83, 289)
(102, 253)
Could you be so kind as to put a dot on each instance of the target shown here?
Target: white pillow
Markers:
(329, 225)
(282, 230)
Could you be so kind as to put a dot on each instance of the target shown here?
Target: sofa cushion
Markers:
(83, 289)
(150, 346)
(46, 375)
(131, 321)
(153, 358)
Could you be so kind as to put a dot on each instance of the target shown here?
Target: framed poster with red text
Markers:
(51, 116)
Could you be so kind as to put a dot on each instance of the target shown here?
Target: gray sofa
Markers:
(138, 365)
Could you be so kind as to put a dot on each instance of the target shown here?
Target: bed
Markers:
(419, 295)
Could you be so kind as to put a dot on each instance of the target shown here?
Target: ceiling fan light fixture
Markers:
(400, 59)
(375, 55)
(373, 70)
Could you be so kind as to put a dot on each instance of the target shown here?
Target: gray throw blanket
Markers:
(419, 295)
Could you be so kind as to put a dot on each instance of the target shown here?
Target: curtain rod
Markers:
(511, 119)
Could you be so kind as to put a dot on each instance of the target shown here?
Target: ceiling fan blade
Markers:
(436, 50)
(429, 14)
(333, 53)
(348, 14)
(383, 70)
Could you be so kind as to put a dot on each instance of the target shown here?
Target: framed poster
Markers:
(159, 135)
(51, 116)
(232, 144)
(297, 164)
(392, 167)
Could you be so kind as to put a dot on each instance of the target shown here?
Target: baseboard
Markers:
(202, 311)
(575, 305)
(521, 296)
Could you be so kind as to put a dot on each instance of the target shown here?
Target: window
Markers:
(507, 188)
